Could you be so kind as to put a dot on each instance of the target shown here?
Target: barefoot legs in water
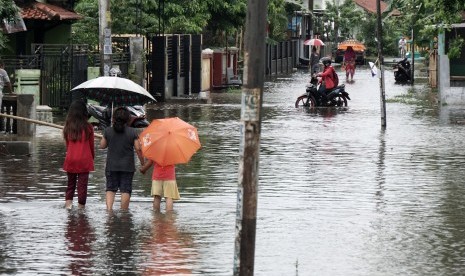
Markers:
(157, 202)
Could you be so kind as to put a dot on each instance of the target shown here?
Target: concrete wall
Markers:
(447, 94)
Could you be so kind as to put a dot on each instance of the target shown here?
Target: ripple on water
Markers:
(337, 195)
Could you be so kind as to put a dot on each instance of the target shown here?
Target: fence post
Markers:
(26, 109)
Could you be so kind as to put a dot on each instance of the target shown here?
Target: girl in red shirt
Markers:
(163, 184)
(79, 160)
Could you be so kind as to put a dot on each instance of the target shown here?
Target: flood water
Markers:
(337, 194)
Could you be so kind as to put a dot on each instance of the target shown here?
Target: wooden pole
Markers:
(38, 122)
(381, 65)
(249, 148)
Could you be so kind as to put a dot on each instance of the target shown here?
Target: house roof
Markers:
(43, 11)
(370, 6)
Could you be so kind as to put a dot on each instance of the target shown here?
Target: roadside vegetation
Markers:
(222, 21)
(8, 12)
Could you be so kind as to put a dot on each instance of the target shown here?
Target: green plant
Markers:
(455, 47)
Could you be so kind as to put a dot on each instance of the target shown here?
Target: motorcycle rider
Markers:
(327, 80)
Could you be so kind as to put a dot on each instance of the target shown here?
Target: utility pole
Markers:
(105, 36)
(249, 147)
(310, 8)
(381, 65)
(412, 75)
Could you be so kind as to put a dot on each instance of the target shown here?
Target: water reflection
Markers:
(120, 243)
(170, 251)
(337, 195)
(380, 175)
(80, 238)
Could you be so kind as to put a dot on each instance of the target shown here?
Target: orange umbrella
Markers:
(356, 45)
(169, 141)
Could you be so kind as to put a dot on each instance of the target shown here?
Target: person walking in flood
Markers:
(314, 61)
(78, 134)
(121, 141)
(349, 62)
(163, 184)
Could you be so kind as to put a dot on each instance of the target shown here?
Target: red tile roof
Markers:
(370, 6)
(42, 11)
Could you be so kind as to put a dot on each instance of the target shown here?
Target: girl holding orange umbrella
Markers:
(349, 62)
(165, 143)
(163, 184)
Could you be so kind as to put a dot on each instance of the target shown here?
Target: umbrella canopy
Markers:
(314, 42)
(114, 90)
(356, 45)
(169, 141)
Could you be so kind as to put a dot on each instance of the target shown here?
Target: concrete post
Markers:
(136, 48)
(26, 109)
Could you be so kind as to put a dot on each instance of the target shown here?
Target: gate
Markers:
(173, 65)
(280, 57)
(61, 68)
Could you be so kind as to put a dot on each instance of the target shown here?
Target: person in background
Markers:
(314, 60)
(402, 47)
(121, 141)
(78, 134)
(4, 81)
(163, 184)
(349, 62)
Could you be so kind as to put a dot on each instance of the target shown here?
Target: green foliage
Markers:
(429, 17)
(129, 17)
(8, 11)
(455, 47)
(86, 30)
(227, 17)
(344, 17)
(277, 20)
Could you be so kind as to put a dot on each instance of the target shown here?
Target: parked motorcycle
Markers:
(103, 115)
(402, 71)
(337, 97)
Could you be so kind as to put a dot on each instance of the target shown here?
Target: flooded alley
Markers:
(337, 194)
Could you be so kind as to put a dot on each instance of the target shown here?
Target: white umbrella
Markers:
(114, 90)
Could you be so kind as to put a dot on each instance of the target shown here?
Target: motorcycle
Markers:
(402, 71)
(337, 97)
(103, 116)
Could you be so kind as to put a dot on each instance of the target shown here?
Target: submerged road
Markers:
(337, 194)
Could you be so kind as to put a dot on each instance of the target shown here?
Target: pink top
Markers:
(349, 56)
(163, 172)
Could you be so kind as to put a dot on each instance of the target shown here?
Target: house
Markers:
(45, 22)
(450, 72)
(370, 7)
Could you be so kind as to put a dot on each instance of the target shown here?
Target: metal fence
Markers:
(64, 66)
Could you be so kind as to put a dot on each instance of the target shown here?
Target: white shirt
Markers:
(402, 43)
(3, 79)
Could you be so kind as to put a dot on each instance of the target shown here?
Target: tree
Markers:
(277, 20)
(8, 11)
(174, 16)
(428, 17)
(344, 18)
(226, 18)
